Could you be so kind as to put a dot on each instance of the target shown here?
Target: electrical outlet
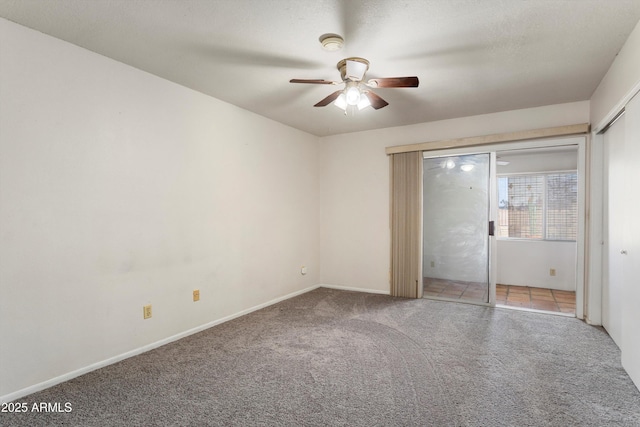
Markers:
(196, 295)
(552, 272)
(303, 270)
(433, 264)
(146, 311)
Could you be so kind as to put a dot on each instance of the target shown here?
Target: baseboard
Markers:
(74, 374)
(350, 288)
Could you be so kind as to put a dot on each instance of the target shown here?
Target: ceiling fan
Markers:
(357, 91)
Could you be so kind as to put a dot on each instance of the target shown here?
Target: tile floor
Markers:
(506, 295)
(536, 298)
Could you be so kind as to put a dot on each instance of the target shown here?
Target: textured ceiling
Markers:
(472, 57)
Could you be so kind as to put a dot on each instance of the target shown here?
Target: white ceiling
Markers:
(472, 57)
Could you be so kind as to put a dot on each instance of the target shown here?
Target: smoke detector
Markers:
(331, 42)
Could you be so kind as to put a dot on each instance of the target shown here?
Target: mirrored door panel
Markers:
(456, 227)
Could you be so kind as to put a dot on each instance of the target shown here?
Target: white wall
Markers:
(622, 77)
(527, 263)
(120, 189)
(354, 186)
(538, 160)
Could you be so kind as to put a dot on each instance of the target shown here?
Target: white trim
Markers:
(582, 237)
(539, 173)
(493, 240)
(94, 366)
(595, 244)
(511, 146)
(351, 288)
(474, 141)
(616, 109)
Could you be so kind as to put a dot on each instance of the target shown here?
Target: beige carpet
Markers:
(336, 358)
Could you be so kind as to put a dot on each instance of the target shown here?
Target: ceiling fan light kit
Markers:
(356, 92)
(360, 100)
(352, 93)
(340, 102)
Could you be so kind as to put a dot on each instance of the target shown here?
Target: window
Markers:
(538, 206)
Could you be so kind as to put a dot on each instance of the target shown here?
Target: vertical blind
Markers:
(406, 224)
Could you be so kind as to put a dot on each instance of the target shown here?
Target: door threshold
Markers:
(533, 310)
(462, 301)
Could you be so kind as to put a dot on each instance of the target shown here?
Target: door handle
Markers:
(623, 252)
(491, 228)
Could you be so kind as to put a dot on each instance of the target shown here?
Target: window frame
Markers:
(544, 206)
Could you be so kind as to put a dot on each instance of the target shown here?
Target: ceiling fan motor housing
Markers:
(354, 71)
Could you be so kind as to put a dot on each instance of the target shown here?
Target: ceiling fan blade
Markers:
(376, 101)
(356, 70)
(394, 82)
(329, 99)
(313, 81)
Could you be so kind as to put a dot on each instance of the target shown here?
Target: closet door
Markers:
(631, 244)
(614, 207)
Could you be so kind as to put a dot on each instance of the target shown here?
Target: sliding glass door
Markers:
(456, 227)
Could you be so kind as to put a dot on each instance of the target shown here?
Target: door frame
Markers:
(581, 242)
